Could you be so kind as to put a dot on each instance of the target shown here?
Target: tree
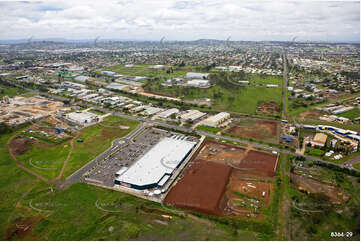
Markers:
(5, 129)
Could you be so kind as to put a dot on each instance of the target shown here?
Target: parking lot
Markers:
(126, 154)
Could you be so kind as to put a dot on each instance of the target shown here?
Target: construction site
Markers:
(19, 110)
(266, 130)
(224, 179)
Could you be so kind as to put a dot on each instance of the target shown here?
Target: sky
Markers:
(330, 21)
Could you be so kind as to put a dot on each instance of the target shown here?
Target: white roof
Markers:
(164, 180)
(196, 75)
(116, 86)
(169, 112)
(153, 110)
(162, 159)
(192, 114)
(214, 119)
(81, 117)
(81, 78)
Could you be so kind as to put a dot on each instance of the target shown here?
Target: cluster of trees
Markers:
(228, 80)
(5, 129)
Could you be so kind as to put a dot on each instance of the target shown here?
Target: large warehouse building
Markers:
(216, 120)
(157, 165)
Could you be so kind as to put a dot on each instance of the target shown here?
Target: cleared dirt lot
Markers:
(310, 114)
(256, 129)
(260, 164)
(20, 145)
(268, 108)
(217, 171)
(202, 187)
(250, 188)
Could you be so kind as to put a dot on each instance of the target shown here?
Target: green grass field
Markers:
(48, 155)
(357, 166)
(10, 91)
(241, 100)
(48, 160)
(97, 139)
(264, 79)
(352, 114)
(208, 129)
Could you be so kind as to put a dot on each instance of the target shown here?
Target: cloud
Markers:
(181, 19)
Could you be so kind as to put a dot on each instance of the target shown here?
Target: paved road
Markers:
(285, 84)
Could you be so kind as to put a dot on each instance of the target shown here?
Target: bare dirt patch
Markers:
(220, 153)
(246, 198)
(271, 108)
(216, 172)
(313, 186)
(22, 228)
(310, 114)
(259, 129)
(201, 188)
(20, 145)
(259, 164)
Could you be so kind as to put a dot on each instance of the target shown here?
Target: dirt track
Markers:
(24, 146)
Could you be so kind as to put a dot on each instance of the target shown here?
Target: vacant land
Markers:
(320, 201)
(210, 181)
(96, 139)
(265, 130)
(46, 154)
(202, 187)
(10, 91)
(238, 100)
(268, 108)
(352, 114)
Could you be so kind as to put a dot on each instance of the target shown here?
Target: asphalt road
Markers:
(285, 84)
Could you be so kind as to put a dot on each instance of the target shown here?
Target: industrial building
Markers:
(216, 120)
(81, 78)
(116, 86)
(157, 165)
(108, 73)
(319, 140)
(195, 75)
(82, 118)
(152, 110)
(198, 83)
(192, 115)
(168, 113)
